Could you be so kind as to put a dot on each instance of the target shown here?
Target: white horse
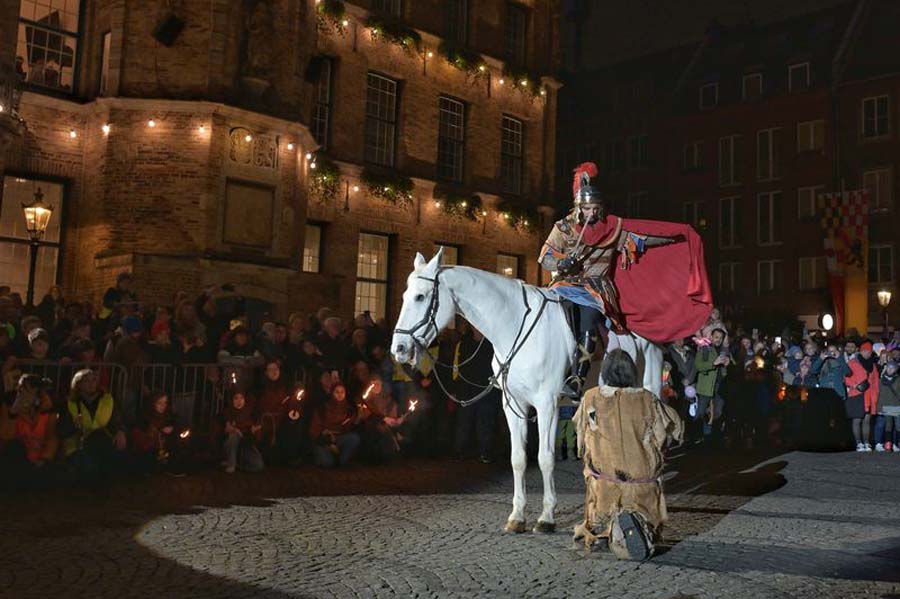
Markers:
(533, 352)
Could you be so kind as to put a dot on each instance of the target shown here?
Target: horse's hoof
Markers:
(544, 527)
(514, 526)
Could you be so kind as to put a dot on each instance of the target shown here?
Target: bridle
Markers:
(498, 381)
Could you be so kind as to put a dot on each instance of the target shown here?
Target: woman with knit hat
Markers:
(862, 394)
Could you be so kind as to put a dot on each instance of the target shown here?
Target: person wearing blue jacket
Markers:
(833, 370)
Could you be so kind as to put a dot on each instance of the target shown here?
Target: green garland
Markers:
(459, 205)
(517, 75)
(388, 186)
(330, 15)
(519, 216)
(394, 31)
(325, 179)
(468, 61)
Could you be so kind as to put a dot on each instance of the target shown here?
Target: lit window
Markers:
(312, 248)
(372, 275)
(48, 43)
(508, 266)
(14, 239)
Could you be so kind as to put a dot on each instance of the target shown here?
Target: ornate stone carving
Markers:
(253, 149)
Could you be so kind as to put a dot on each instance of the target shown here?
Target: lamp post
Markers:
(37, 217)
(884, 300)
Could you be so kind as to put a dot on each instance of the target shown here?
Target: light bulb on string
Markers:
(151, 123)
(105, 129)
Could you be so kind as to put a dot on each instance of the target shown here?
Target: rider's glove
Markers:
(566, 265)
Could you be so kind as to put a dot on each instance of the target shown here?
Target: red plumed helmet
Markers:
(582, 190)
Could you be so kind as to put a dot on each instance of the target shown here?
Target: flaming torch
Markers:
(368, 390)
(185, 433)
(412, 405)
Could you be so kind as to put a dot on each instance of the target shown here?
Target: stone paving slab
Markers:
(798, 525)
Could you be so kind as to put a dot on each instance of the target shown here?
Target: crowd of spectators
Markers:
(750, 388)
(91, 392)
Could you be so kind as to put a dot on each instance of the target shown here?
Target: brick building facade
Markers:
(737, 132)
(182, 142)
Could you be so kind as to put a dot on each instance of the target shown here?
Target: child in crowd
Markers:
(889, 406)
(242, 429)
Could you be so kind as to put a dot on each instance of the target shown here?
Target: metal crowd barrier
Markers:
(196, 391)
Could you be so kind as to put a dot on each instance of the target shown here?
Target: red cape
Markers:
(665, 295)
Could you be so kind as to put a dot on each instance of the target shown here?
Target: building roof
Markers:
(618, 31)
(874, 52)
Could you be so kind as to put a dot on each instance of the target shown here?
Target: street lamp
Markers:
(884, 300)
(37, 217)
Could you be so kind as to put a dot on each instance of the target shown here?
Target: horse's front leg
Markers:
(518, 435)
(547, 420)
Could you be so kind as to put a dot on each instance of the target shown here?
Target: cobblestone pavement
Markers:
(741, 525)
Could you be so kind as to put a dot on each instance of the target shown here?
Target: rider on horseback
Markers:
(580, 251)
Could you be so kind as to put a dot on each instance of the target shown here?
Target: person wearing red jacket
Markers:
(862, 394)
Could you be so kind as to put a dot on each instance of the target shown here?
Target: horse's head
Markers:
(428, 307)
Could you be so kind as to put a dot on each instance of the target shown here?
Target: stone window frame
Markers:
(457, 24)
(515, 33)
(733, 269)
(732, 228)
(512, 154)
(813, 264)
(773, 285)
(312, 257)
(389, 7)
(51, 33)
(60, 210)
(876, 133)
(639, 151)
(382, 284)
(714, 85)
(744, 95)
(768, 154)
(733, 156)
(814, 192)
(507, 262)
(694, 212)
(876, 251)
(806, 135)
(320, 123)
(451, 156)
(881, 199)
(693, 156)
(381, 120)
(801, 86)
(769, 234)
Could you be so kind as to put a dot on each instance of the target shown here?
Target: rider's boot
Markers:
(574, 386)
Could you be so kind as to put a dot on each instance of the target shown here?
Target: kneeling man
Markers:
(622, 431)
